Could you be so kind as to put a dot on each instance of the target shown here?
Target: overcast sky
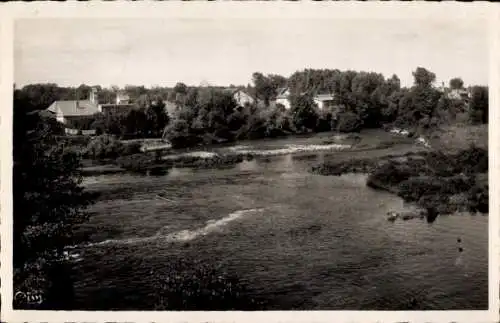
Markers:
(223, 51)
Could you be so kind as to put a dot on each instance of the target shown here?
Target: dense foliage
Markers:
(107, 146)
(479, 104)
(432, 181)
(48, 202)
(148, 120)
(209, 114)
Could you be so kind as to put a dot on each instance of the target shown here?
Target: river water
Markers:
(308, 241)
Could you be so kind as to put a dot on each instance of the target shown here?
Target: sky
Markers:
(152, 52)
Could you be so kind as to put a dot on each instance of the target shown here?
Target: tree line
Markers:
(210, 114)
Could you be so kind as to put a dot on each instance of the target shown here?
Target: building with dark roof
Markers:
(74, 113)
(78, 115)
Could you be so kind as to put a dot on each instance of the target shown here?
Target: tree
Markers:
(156, 118)
(135, 91)
(48, 204)
(104, 146)
(263, 88)
(394, 84)
(41, 96)
(423, 77)
(349, 122)
(136, 123)
(456, 83)
(266, 87)
(390, 112)
(110, 123)
(180, 88)
(191, 97)
(368, 89)
(478, 106)
(304, 115)
(418, 104)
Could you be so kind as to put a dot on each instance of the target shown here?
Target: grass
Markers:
(459, 136)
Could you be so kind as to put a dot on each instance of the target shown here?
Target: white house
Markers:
(122, 98)
(459, 94)
(323, 100)
(241, 97)
(283, 98)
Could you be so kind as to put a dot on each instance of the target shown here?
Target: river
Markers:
(308, 241)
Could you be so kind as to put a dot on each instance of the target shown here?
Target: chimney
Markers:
(93, 95)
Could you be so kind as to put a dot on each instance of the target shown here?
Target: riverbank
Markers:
(437, 182)
(216, 156)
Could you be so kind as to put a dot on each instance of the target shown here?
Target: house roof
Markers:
(282, 93)
(323, 97)
(115, 105)
(234, 90)
(122, 96)
(74, 108)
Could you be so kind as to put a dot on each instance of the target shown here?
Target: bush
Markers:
(472, 160)
(137, 163)
(390, 174)
(349, 122)
(104, 146)
(478, 197)
(415, 188)
(131, 148)
(436, 204)
(468, 161)
(210, 162)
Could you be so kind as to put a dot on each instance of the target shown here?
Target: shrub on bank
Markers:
(130, 148)
(109, 147)
(469, 161)
(478, 198)
(429, 178)
(391, 174)
(143, 163)
(349, 122)
(104, 146)
(209, 162)
(136, 162)
(350, 166)
(414, 188)
(193, 285)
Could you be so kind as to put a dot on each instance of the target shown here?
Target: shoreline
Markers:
(144, 163)
(435, 182)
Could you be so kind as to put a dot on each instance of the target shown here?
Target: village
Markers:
(79, 116)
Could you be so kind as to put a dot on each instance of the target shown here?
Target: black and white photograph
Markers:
(259, 164)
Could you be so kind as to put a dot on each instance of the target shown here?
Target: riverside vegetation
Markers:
(49, 201)
(438, 182)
